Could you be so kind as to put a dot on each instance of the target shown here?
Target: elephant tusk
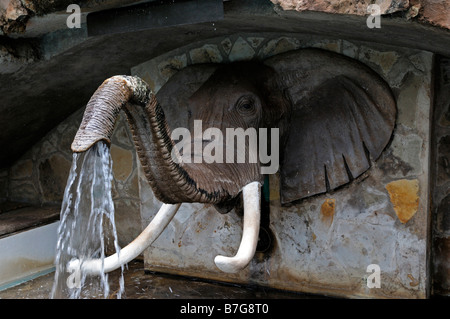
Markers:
(132, 250)
(247, 248)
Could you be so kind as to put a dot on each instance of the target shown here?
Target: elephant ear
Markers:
(343, 116)
(174, 94)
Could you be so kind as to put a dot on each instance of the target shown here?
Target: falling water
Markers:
(87, 216)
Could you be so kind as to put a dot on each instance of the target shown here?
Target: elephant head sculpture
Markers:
(333, 116)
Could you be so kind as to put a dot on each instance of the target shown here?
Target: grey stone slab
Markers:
(26, 217)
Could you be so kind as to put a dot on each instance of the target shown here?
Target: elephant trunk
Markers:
(170, 181)
(103, 109)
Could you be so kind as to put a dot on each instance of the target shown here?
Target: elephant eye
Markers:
(246, 106)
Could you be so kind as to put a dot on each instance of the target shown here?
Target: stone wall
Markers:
(39, 177)
(323, 244)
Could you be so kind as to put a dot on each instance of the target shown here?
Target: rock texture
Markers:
(15, 53)
(14, 14)
(343, 7)
(13, 17)
(434, 12)
(404, 195)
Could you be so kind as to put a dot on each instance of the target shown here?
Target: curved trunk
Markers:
(103, 109)
(170, 181)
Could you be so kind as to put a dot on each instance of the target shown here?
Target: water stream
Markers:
(87, 226)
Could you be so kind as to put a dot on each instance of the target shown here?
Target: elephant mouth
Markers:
(172, 178)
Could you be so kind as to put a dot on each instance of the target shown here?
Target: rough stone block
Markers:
(206, 54)
(279, 45)
(404, 196)
(241, 51)
(382, 60)
(406, 149)
(22, 169)
(226, 45)
(169, 67)
(53, 174)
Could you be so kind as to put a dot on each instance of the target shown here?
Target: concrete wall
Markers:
(325, 243)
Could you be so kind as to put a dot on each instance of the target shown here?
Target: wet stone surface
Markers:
(140, 284)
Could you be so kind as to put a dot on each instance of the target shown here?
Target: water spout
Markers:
(87, 208)
(87, 213)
